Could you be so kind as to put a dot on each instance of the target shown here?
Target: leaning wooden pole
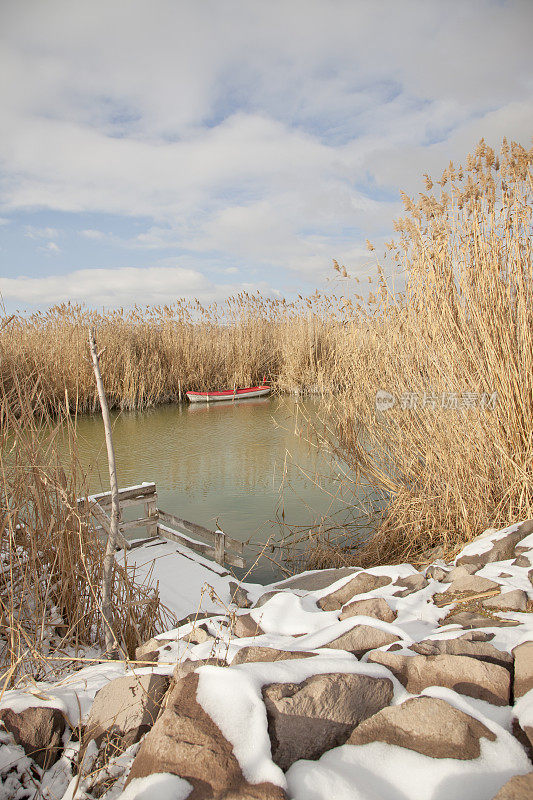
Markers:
(109, 558)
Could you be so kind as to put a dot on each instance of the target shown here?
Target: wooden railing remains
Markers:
(162, 525)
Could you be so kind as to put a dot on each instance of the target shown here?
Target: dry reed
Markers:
(50, 557)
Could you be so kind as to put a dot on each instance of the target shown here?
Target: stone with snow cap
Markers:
(472, 619)
(126, 708)
(318, 580)
(361, 583)
(428, 726)
(436, 573)
(38, 730)
(412, 583)
(501, 549)
(481, 650)
(186, 742)
(308, 718)
(515, 600)
(463, 674)
(362, 638)
(250, 654)
(372, 607)
(519, 787)
(245, 626)
(472, 583)
(238, 595)
(523, 669)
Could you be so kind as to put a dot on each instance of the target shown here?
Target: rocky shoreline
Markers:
(381, 683)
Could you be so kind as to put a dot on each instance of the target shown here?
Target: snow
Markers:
(161, 785)
(388, 772)
(291, 621)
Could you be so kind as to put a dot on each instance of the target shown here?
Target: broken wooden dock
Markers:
(161, 525)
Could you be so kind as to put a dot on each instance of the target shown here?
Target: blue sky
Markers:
(152, 150)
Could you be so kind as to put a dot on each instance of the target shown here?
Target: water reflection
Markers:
(222, 461)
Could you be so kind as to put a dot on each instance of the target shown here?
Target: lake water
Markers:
(246, 464)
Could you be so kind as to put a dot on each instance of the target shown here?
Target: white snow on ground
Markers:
(161, 786)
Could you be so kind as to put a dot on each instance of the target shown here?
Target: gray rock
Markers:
(501, 550)
(472, 583)
(515, 600)
(238, 595)
(308, 718)
(520, 787)
(150, 650)
(125, 709)
(186, 742)
(436, 573)
(522, 561)
(38, 730)
(461, 647)
(463, 674)
(461, 572)
(245, 626)
(264, 599)
(249, 654)
(428, 726)
(316, 581)
(372, 607)
(185, 667)
(412, 583)
(471, 619)
(523, 669)
(360, 584)
(362, 638)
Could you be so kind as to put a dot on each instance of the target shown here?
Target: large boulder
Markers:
(500, 549)
(306, 719)
(375, 607)
(318, 580)
(520, 787)
(464, 647)
(463, 674)
(428, 726)
(249, 654)
(360, 584)
(523, 669)
(186, 742)
(125, 709)
(362, 638)
(38, 730)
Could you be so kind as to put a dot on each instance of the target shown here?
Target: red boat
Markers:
(228, 394)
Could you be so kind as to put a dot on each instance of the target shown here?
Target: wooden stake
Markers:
(109, 558)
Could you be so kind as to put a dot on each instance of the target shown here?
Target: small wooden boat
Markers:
(228, 394)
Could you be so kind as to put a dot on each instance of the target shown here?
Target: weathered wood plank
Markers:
(150, 511)
(174, 536)
(219, 547)
(124, 494)
(198, 530)
(99, 514)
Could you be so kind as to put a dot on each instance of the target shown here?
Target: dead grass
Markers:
(50, 557)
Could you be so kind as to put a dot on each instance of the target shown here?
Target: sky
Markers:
(156, 149)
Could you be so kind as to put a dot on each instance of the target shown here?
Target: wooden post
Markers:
(150, 510)
(109, 558)
(219, 547)
(179, 390)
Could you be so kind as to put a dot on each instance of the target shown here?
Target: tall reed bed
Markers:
(50, 557)
(454, 454)
(151, 354)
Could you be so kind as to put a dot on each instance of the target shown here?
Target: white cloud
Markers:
(124, 286)
(260, 132)
(41, 233)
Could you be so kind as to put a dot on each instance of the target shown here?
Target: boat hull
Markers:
(228, 394)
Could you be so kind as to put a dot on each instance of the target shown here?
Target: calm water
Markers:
(241, 463)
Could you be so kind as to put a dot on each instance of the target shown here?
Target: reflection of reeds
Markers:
(50, 558)
(150, 354)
